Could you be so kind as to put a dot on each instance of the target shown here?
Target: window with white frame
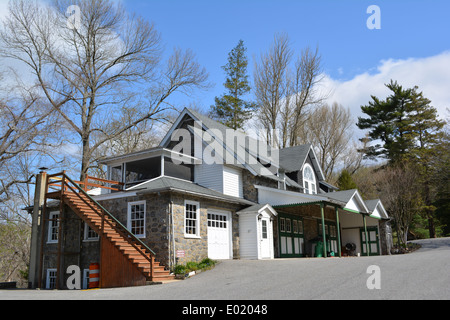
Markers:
(89, 234)
(53, 227)
(309, 180)
(191, 219)
(51, 279)
(85, 278)
(136, 218)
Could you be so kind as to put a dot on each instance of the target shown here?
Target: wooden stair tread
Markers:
(90, 212)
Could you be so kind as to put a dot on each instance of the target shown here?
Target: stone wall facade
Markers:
(158, 230)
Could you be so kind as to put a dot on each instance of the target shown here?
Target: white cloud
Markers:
(430, 74)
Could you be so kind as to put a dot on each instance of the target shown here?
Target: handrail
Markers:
(86, 183)
(128, 234)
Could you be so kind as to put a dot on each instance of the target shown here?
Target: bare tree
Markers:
(90, 73)
(328, 129)
(284, 90)
(27, 126)
(400, 192)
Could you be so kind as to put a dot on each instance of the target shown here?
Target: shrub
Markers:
(179, 269)
(192, 266)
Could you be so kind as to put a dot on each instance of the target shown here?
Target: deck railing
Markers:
(64, 184)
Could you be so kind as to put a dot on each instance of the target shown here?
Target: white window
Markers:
(191, 219)
(309, 180)
(51, 279)
(264, 228)
(53, 227)
(89, 234)
(85, 279)
(136, 218)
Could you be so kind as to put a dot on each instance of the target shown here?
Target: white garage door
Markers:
(219, 229)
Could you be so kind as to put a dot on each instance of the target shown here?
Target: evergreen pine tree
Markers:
(231, 109)
(345, 181)
(405, 123)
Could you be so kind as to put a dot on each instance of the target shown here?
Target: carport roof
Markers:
(330, 202)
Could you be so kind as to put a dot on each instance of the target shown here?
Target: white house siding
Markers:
(232, 182)
(209, 176)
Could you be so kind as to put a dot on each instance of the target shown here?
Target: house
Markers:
(205, 191)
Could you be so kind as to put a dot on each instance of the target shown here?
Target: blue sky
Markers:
(411, 32)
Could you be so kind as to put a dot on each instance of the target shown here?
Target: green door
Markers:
(291, 236)
(331, 236)
(373, 243)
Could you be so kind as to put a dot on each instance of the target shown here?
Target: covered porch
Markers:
(326, 228)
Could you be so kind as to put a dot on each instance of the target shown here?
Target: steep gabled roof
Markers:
(376, 209)
(255, 167)
(352, 198)
(293, 159)
(290, 159)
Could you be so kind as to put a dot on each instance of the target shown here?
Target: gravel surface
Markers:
(423, 274)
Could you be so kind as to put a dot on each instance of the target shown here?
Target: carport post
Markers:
(365, 232)
(338, 227)
(323, 230)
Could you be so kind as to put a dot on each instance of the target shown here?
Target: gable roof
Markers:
(255, 167)
(294, 158)
(290, 159)
(352, 198)
(258, 208)
(376, 209)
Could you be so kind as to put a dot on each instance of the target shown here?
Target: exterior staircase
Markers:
(110, 229)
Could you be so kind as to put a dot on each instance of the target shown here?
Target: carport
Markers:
(300, 226)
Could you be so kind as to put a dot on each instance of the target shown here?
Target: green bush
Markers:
(194, 266)
(180, 269)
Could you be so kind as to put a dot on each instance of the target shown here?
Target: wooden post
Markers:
(43, 220)
(367, 237)
(60, 233)
(338, 227)
(323, 231)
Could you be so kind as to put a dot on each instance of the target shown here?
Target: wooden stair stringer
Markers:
(92, 216)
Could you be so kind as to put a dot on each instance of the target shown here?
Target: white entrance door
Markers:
(219, 237)
(265, 238)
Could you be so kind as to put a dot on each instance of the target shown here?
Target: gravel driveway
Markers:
(423, 274)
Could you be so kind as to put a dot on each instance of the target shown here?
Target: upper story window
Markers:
(53, 227)
(309, 180)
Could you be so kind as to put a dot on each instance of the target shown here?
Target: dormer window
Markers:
(309, 180)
